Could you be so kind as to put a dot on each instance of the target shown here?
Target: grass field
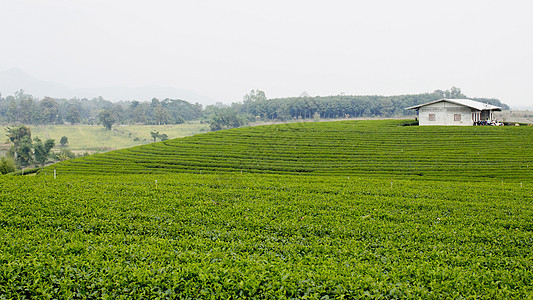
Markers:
(96, 139)
(346, 210)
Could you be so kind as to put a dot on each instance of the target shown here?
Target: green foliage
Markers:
(24, 109)
(156, 135)
(263, 236)
(42, 151)
(15, 134)
(7, 164)
(65, 154)
(63, 141)
(106, 119)
(342, 106)
(225, 119)
(24, 153)
(73, 115)
(49, 110)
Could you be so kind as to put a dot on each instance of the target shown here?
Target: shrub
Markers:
(7, 165)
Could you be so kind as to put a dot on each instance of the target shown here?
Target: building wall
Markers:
(445, 113)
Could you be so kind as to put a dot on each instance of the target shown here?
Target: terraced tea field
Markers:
(351, 148)
(309, 210)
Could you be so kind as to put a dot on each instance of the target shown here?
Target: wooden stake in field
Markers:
(391, 184)
(156, 183)
(54, 172)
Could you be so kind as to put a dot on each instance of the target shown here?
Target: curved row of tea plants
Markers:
(358, 148)
(262, 236)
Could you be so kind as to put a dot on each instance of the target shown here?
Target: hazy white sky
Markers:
(223, 49)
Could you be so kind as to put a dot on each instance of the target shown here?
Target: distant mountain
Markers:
(13, 80)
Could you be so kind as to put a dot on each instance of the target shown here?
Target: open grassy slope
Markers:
(93, 138)
(382, 148)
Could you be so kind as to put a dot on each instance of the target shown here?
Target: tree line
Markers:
(343, 106)
(256, 106)
(22, 108)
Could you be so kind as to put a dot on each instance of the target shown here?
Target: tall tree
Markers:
(12, 111)
(106, 118)
(73, 115)
(29, 113)
(49, 110)
(42, 151)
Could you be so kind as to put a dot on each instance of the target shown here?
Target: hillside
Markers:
(344, 210)
(378, 148)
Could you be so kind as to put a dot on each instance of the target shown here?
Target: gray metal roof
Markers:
(464, 102)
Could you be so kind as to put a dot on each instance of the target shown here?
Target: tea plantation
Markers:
(353, 148)
(367, 209)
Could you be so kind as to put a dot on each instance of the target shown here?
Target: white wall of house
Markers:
(445, 113)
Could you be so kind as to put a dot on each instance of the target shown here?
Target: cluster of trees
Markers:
(342, 106)
(24, 109)
(256, 106)
(25, 151)
(156, 135)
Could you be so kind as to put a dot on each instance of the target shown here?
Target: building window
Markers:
(432, 117)
(457, 117)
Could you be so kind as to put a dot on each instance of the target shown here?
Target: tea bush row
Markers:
(357, 148)
(262, 236)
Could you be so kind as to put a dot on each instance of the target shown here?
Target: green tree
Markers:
(154, 134)
(225, 118)
(20, 137)
(160, 115)
(42, 151)
(106, 118)
(250, 98)
(12, 111)
(29, 112)
(63, 141)
(49, 110)
(24, 151)
(454, 93)
(73, 115)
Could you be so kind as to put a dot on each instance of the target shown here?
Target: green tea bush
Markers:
(263, 236)
(357, 148)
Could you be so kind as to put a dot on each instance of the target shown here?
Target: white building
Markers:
(462, 112)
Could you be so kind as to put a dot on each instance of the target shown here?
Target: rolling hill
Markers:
(382, 148)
